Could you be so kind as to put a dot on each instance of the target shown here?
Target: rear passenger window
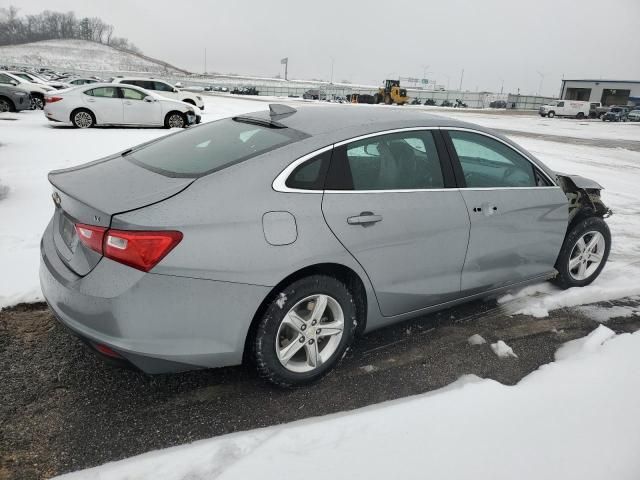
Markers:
(397, 161)
(488, 163)
(106, 92)
(311, 174)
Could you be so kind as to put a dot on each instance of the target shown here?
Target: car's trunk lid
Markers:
(92, 193)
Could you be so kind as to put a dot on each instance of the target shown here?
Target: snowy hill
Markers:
(81, 55)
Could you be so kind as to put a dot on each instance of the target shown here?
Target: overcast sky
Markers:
(516, 41)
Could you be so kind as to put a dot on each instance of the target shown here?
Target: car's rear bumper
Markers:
(159, 323)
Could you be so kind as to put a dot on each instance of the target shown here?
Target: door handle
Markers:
(486, 208)
(366, 219)
(90, 100)
(127, 102)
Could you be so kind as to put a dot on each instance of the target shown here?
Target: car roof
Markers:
(139, 78)
(345, 121)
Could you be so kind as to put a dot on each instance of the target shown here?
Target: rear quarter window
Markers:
(210, 147)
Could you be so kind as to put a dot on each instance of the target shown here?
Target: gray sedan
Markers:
(13, 99)
(278, 236)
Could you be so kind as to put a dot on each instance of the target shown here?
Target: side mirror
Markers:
(175, 90)
(14, 83)
(149, 99)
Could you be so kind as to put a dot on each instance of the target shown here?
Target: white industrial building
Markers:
(608, 92)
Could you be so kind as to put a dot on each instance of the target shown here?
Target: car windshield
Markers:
(616, 109)
(211, 147)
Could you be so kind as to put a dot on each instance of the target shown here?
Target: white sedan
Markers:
(113, 104)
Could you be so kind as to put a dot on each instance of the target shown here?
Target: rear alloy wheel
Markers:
(305, 331)
(551, 114)
(82, 119)
(37, 102)
(175, 120)
(584, 253)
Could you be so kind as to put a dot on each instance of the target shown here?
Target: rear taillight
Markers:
(91, 236)
(138, 249)
(52, 99)
(141, 250)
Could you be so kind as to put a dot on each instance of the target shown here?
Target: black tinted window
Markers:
(161, 87)
(311, 174)
(211, 147)
(398, 161)
(488, 163)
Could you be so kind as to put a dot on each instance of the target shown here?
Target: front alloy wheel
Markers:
(304, 331)
(37, 103)
(584, 253)
(176, 120)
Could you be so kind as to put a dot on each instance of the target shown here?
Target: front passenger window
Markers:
(488, 163)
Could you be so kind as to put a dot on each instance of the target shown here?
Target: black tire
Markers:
(83, 118)
(6, 105)
(173, 119)
(580, 116)
(565, 278)
(37, 101)
(264, 341)
(551, 114)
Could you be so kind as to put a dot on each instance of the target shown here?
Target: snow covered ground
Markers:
(576, 418)
(533, 123)
(30, 147)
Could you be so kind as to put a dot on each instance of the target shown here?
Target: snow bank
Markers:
(79, 55)
(577, 418)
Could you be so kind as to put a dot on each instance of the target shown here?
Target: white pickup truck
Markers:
(565, 108)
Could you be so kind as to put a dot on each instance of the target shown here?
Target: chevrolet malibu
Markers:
(278, 236)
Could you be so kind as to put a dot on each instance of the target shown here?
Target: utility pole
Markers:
(332, 60)
(461, 77)
(502, 86)
(540, 85)
(205, 60)
(285, 61)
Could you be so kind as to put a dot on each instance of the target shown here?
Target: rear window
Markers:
(211, 147)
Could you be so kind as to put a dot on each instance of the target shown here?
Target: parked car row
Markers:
(579, 109)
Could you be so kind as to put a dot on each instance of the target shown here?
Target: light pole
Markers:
(205, 60)
(501, 85)
(461, 77)
(541, 81)
(332, 61)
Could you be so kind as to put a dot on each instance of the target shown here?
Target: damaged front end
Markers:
(584, 197)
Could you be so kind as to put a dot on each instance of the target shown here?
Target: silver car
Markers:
(278, 236)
